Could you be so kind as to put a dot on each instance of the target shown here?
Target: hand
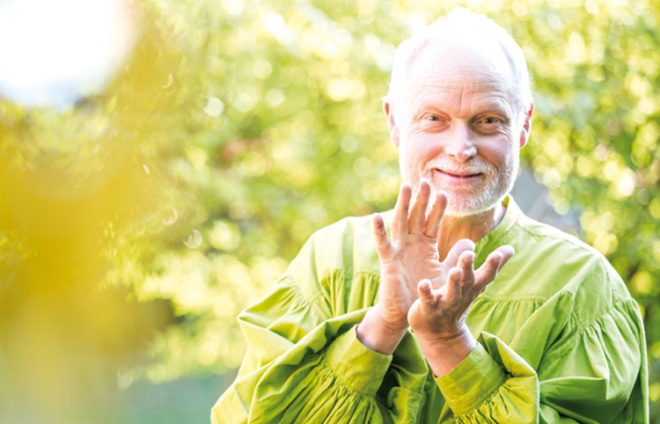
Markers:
(410, 256)
(438, 315)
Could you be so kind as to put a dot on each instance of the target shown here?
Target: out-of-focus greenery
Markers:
(151, 214)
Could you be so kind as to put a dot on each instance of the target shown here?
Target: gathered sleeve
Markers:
(304, 362)
(594, 374)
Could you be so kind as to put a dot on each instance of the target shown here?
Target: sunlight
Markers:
(54, 53)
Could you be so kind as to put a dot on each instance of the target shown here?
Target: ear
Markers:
(527, 126)
(391, 124)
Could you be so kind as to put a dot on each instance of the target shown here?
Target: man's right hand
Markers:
(410, 256)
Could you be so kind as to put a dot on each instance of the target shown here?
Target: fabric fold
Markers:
(493, 382)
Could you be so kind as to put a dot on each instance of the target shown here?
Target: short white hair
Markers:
(461, 24)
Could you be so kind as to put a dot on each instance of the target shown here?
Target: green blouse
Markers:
(560, 341)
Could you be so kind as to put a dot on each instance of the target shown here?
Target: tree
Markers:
(253, 123)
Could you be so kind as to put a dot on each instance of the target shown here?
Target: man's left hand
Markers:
(437, 317)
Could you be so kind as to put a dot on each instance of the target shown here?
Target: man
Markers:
(369, 325)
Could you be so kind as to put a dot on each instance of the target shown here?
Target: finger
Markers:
(488, 271)
(400, 221)
(425, 292)
(418, 212)
(456, 250)
(466, 263)
(507, 252)
(383, 245)
(454, 284)
(435, 215)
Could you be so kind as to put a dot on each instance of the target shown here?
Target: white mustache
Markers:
(474, 168)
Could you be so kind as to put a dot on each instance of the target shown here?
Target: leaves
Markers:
(261, 121)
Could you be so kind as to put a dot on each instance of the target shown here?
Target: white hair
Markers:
(462, 25)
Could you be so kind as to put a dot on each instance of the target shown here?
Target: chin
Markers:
(472, 206)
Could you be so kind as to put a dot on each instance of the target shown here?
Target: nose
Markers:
(460, 144)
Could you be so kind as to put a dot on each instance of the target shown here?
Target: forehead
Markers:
(441, 71)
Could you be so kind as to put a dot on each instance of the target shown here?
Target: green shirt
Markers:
(560, 341)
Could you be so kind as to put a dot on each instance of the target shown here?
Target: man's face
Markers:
(456, 123)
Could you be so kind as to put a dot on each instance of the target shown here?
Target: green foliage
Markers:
(271, 127)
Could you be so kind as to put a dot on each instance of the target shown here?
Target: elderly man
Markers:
(406, 316)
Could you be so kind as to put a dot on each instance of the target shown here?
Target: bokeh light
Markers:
(163, 161)
(55, 53)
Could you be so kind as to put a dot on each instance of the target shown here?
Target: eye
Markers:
(490, 120)
(432, 121)
(490, 124)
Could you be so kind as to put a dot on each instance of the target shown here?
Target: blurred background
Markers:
(163, 160)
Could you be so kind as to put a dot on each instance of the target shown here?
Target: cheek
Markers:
(498, 153)
(419, 149)
(413, 157)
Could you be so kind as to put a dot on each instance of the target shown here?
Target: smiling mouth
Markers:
(455, 174)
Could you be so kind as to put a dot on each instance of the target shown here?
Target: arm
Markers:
(303, 358)
(594, 373)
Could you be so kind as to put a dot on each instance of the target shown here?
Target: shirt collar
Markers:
(490, 241)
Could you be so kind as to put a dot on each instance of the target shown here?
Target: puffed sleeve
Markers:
(594, 374)
(304, 363)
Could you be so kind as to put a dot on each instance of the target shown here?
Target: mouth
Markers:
(459, 175)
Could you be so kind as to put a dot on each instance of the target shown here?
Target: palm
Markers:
(412, 253)
(440, 311)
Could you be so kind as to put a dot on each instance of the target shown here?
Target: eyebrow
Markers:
(425, 102)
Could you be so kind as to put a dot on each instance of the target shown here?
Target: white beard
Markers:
(495, 187)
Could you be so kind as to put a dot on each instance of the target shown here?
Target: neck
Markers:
(473, 227)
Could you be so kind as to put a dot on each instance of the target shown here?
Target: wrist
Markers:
(444, 352)
(377, 334)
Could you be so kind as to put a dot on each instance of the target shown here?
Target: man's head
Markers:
(459, 108)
